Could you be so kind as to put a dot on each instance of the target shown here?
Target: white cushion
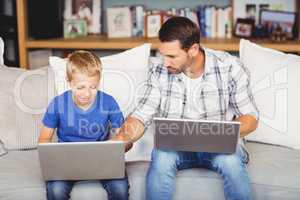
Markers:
(1, 51)
(122, 76)
(23, 98)
(275, 82)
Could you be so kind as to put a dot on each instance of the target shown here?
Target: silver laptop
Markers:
(196, 135)
(82, 160)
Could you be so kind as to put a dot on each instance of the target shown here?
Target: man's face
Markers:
(84, 89)
(176, 60)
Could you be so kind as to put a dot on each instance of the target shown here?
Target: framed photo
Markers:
(251, 8)
(88, 10)
(153, 23)
(75, 28)
(119, 23)
(244, 27)
(279, 20)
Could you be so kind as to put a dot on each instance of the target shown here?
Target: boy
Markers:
(83, 114)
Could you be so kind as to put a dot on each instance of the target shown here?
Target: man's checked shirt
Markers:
(223, 93)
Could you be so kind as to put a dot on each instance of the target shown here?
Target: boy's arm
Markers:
(46, 134)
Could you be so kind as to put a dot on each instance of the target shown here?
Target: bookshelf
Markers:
(102, 42)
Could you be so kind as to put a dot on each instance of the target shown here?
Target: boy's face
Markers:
(84, 89)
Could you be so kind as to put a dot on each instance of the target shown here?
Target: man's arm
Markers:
(134, 126)
(46, 134)
(241, 99)
(248, 124)
(131, 130)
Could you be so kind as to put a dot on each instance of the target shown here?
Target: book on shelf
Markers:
(138, 20)
(215, 22)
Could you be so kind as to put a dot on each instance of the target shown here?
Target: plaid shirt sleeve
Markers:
(149, 102)
(241, 98)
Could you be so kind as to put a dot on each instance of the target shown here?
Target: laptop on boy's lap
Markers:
(196, 135)
(82, 160)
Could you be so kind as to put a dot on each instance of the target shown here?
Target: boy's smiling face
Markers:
(84, 89)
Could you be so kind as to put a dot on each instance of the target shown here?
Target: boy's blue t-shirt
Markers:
(76, 125)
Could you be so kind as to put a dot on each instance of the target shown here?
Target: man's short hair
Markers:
(84, 62)
(181, 29)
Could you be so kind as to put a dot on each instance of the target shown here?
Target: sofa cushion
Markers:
(21, 177)
(8, 106)
(275, 82)
(122, 74)
(24, 96)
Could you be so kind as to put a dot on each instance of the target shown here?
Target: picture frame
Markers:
(272, 20)
(245, 8)
(153, 22)
(88, 10)
(119, 23)
(244, 27)
(75, 28)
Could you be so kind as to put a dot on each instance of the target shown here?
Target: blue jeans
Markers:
(165, 163)
(117, 189)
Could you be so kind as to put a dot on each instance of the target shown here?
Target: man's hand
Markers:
(122, 137)
(131, 130)
(248, 124)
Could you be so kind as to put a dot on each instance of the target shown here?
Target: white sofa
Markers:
(273, 169)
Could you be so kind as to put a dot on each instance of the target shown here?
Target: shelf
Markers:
(102, 42)
(90, 42)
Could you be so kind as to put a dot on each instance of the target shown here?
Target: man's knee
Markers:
(228, 161)
(163, 159)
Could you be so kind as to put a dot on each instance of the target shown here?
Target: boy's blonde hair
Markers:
(83, 62)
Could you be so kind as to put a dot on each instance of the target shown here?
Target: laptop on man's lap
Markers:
(196, 135)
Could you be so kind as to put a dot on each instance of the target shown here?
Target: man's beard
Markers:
(174, 70)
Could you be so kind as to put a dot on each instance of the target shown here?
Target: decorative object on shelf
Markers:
(244, 27)
(260, 32)
(279, 23)
(251, 11)
(88, 10)
(252, 8)
(75, 28)
(278, 34)
(153, 23)
(119, 22)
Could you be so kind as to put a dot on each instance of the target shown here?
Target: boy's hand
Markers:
(122, 137)
(46, 134)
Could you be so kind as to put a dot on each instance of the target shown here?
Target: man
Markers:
(196, 83)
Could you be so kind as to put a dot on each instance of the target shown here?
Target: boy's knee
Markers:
(57, 192)
(117, 189)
